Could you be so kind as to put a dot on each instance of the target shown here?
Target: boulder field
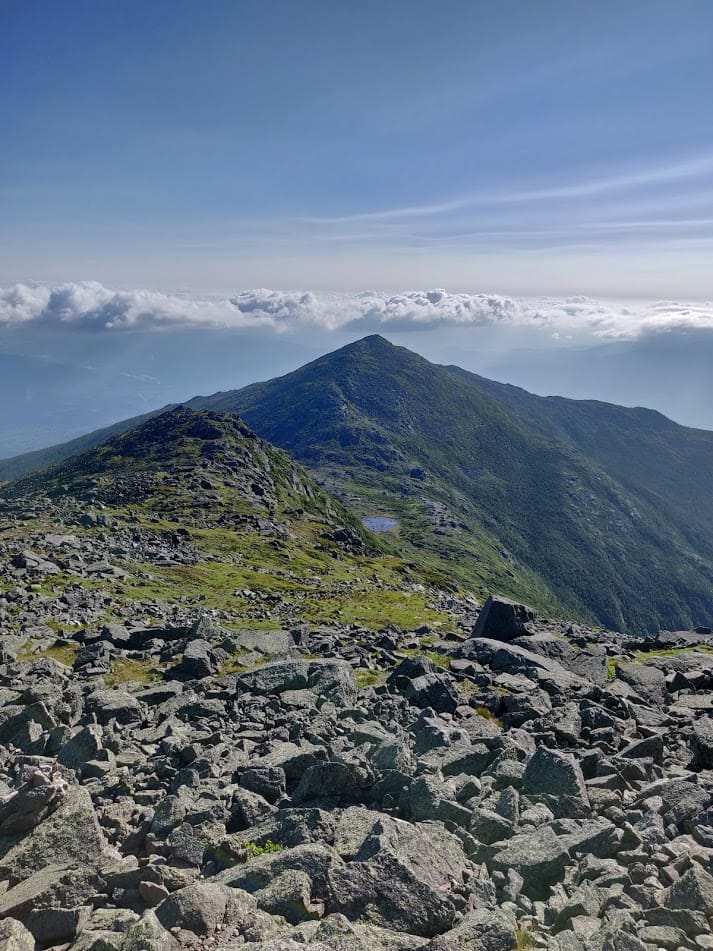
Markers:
(524, 791)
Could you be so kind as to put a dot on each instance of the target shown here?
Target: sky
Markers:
(554, 148)
(196, 195)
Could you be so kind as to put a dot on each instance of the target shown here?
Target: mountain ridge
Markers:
(538, 496)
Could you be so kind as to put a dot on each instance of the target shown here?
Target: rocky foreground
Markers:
(219, 771)
(518, 798)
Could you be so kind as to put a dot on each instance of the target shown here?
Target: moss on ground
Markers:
(488, 714)
(643, 656)
(128, 671)
(369, 678)
(63, 652)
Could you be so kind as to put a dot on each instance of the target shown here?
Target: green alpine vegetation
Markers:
(600, 510)
(577, 507)
(204, 512)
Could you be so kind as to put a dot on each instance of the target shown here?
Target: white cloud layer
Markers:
(90, 306)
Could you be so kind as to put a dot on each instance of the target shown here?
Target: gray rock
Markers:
(417, 680)
(98, 939)
(401, 878)
(52, 886)
(71, 834)
(513, 658)
(489, 827)
(539, 857)
(84, 745)
(649, 747)
(682, 800)
(332, 679)
(586, 899)
(702, 743)
(51, 926)
(519, 708)
(647, 680)
(662, 936)
(327, 780)
(29, 805)
(593, 837)
(152, 893)
(555, 779)
(487, 929)
(265, 642)
(503, 620)
(693, 891)
(316, 860)
(354, 825)
(267, 781)
(289, 895)
(198, 660)
(429, 798)
(149, 935)
(202, 907)
(117, 705)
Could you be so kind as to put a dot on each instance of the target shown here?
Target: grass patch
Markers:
(466, 687)
(127, 671)
(61, 651)
(525, 938)
(488, 714)
(369, 678)
(60, 626)
(440, 660)
(254, 849)
(233, 665)
(375, 609)
(672, 652)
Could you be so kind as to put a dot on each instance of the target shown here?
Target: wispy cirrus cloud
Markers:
(588, 186)
(90, 306)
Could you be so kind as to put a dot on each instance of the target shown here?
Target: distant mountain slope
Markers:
(50, 399)
(579, 505)
(615, 541)
(668, 464)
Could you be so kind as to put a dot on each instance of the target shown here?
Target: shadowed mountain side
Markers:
(597, 509)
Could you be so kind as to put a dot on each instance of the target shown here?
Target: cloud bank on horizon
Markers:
(90, 306)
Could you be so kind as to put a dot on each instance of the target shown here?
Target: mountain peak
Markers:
(375, 340)
(372, 343)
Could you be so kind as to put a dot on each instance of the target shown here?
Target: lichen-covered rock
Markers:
(486, 929)
(539, 857)
(70, 834)
(403, 877)
(556, 780)
(693, 891)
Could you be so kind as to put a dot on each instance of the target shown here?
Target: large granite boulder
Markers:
(503, 620)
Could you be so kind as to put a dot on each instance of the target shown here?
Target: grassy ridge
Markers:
(260, 529)
(582, 508)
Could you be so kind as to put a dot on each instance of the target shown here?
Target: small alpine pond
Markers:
(380, 523)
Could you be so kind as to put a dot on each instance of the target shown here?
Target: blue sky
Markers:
(520, 147)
